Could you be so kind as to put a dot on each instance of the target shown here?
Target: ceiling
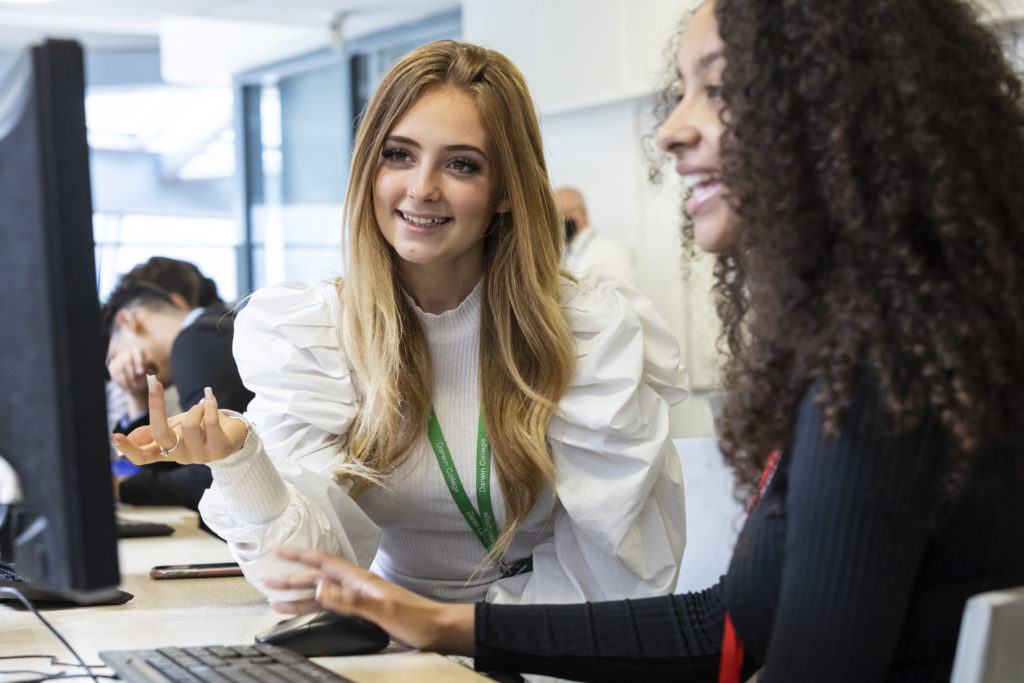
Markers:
(134, 24)
(153, 120)
(186, 121)
(109, 25)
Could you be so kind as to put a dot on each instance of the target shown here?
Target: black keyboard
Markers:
(8, 575)
(257, 662)
(136, 528)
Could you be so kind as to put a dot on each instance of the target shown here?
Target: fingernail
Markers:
(113, 441)
(208, 392)
(151, 381)
(319, 590)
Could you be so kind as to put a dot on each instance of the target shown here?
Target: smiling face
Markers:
(438, 187)
(693, 130)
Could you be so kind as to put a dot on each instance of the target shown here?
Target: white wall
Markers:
(592, 66)
(577, 52)
(713, 516)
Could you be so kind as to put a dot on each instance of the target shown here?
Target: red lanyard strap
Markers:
(731, 663)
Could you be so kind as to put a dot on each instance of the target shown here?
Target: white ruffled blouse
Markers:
(614, 528)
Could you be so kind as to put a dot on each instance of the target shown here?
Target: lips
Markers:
(701, 187)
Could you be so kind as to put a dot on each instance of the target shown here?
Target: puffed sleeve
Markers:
(619, 525)
(279, 489)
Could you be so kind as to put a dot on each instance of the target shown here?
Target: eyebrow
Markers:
(704, 62)
(448, 148)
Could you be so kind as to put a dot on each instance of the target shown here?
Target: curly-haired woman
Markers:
(856, 164)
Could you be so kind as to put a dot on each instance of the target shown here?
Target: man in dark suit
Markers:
(151, 333)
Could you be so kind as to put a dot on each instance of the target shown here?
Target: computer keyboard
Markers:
(257, 662)
(136, 528)
(8, 574)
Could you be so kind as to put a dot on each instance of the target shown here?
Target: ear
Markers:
(127, 321)
(504, 205)
(179, 301)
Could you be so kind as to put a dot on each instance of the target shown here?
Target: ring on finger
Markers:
(166, 452)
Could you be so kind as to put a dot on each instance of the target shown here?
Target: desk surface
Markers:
(184, 612)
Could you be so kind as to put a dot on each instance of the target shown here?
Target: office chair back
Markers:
(991, 644)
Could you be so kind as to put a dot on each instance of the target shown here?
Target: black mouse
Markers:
(326, 633)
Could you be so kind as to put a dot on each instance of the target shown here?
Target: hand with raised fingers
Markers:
(345, 588)
(200, 435)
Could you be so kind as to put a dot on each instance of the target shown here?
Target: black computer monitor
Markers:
(61, 535)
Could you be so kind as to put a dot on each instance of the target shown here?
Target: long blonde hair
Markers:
(527, 351)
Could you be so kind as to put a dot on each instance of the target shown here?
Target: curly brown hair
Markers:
(874, 154)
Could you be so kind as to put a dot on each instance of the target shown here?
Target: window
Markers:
(125, 240)
(162, 162)
(296, 129)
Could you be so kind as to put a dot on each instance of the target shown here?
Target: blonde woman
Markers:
(455, 413)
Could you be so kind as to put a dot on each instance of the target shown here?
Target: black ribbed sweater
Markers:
(854, 566)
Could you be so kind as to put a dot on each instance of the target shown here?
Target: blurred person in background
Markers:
(165, 319)
(586, 249)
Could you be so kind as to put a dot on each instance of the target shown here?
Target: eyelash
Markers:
(713, 92)
(392, 153)
(468, 165)
(461, 165)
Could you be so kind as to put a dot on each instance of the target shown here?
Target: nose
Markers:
(423, 185)
(678, 132)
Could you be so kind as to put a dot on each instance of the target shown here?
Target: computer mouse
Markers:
(326, 633)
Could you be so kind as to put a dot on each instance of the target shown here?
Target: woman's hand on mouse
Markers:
(345, 588)
(202, 434)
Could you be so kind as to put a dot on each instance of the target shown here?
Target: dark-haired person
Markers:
(151, 333)
(189, 289)
(856, 165)
(181, 279)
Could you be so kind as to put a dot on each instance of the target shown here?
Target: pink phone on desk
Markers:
(195, 571)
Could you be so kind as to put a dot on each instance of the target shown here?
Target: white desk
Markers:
(182, 612)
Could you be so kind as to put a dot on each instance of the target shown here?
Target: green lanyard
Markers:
(482, 523)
